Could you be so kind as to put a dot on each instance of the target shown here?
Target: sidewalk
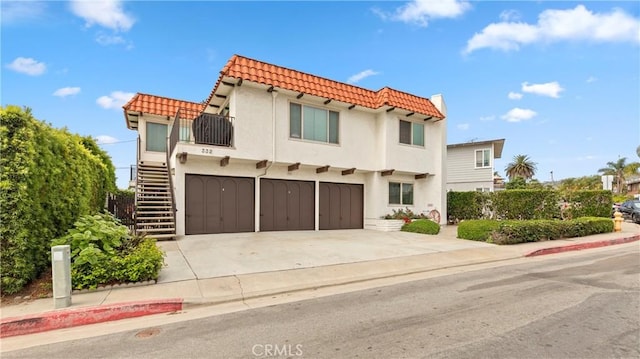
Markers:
(179, 287)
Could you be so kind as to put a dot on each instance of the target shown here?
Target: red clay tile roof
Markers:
(256, 71)
(158, 105)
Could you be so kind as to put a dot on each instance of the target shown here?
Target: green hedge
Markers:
(424, 226)
(513, 232)
(589, 203)
(49, 178)
(525, 204)
(477, 230)
(465, 205)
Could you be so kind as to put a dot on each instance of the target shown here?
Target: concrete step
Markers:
(152, 175)
(157, 225)
(154, 230)
(160, 236)
(159, 218)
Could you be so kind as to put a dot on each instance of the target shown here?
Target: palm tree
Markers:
(619, 170)
(522, 167)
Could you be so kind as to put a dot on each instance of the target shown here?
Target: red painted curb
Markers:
(65, 318)
(580, 246)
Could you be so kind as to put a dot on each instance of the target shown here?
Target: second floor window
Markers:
(156, 137)
(312, 123)
(411, 133)
(483, 158)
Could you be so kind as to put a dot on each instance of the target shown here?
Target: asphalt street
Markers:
(582, 306)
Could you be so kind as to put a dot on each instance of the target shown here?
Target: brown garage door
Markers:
(287, 205)
(215, 204)
(341, 206)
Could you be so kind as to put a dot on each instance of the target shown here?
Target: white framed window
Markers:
(483, 189)
(483, 158)
(411, 133)
(400, 193)
(313, 124)
(156, 137)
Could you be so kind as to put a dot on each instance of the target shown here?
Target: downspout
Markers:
(274, 94)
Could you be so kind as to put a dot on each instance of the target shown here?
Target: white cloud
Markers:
(27, 65)
(115, 100)
(514, 95)
(104, 139)
(105, 13)
(66, 91)
(419, 12)
(487, 118)
(463, 126)
(510, 15)
(550, 89)
(559, 25)
(18, 11)
(105, 40)
(519, 114)
(592, 79)
(361, 75)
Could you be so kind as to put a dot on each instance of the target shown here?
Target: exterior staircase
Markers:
(155, 213)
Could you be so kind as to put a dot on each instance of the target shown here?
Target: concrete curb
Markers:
(66, 318)
(580, 246)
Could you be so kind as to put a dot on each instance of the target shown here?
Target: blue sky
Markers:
(560, 81)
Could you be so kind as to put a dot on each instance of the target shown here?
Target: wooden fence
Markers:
(123, 207)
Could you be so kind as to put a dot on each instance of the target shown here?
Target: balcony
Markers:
(202, 129)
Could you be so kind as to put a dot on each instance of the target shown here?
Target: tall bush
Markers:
(526, 204)
(465, 205)
(589, 203)
(49, 177)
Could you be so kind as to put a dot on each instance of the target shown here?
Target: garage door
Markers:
(215, 204)
(287, 205)
(341, 206)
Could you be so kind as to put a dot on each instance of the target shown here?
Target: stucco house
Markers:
(276, 149)
(471, 166)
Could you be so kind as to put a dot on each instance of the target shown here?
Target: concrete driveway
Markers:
(220, 255)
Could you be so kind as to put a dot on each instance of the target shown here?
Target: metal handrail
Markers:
(173, 194)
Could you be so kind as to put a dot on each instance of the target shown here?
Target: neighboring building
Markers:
(278, 149)
(633, 186)
(470, 166)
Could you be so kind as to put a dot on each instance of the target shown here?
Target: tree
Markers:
(620, 170)
(522, 167)
(587, 183)
(638, 151)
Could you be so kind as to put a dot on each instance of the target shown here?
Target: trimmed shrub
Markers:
(424, 226)
(526, 204)
(589, 203)
(465, 205)
(513, 232)
(477, 230)
(103, 252)
(587, 226)
(49, 177)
